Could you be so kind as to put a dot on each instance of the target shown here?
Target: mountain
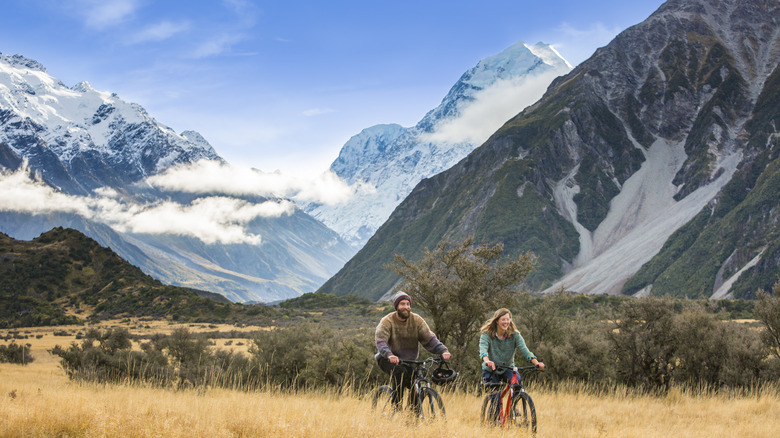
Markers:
(80, 139)
(387, 161)
(81, 158)
(651, 168)
(63, 277)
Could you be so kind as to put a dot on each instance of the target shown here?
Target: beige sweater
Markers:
(402, 338)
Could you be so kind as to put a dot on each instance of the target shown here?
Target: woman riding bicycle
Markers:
(497, 344)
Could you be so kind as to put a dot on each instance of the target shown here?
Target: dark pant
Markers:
(493, 377)
(400, 379)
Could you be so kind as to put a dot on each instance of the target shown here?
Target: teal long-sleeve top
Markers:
(502, 350)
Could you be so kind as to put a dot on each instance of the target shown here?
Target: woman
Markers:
(497, 345)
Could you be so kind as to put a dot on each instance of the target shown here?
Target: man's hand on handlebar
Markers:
(393, 359)
(446, 355)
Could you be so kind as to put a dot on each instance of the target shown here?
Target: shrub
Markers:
(15, 353)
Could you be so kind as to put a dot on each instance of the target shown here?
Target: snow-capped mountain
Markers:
(651, 168)
(79, 138)
(85, 159)
(387, 161)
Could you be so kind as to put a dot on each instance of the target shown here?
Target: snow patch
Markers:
(723, 291)
(640, 220)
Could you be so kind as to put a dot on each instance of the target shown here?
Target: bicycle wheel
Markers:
(488, 415)
(431, 405)
(523, 412)
(382, 401)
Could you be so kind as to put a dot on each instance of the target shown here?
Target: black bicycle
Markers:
(423, 400)
(518, 410)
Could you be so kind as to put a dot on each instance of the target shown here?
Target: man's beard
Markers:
(403, 313)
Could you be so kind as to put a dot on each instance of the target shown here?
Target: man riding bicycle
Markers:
(398, 336)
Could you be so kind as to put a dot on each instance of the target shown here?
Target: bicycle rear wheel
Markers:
(431, 405)
(523, 412)
(382, 401)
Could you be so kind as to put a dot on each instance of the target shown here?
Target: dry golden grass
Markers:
(38, 400)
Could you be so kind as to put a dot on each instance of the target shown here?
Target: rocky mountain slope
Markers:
(80, 158)
(387, 161)
(649, 168)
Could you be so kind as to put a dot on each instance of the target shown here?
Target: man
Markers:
(397, 337)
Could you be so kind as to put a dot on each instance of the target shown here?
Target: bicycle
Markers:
(519, 410)
(425, 402)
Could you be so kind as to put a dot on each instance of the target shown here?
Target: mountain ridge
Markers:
(663, 112)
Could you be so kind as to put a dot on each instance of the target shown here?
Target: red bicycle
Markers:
(507, 404)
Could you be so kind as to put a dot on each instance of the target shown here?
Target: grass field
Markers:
(38, 400)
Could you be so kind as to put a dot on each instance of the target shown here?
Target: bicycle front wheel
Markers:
(523, 412)
(431, 405)
(490, 406)
(382, 401)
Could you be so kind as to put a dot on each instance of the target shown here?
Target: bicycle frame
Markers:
(509, 388)
(419, 379)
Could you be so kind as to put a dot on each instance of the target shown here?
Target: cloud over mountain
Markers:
(213, 219)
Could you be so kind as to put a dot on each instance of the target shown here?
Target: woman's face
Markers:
(504, 321)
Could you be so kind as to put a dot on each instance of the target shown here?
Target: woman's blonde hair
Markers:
(491, 325)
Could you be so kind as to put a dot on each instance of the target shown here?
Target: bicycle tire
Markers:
(430, 404)
(488, 415)
(382, 401)
(523, 411)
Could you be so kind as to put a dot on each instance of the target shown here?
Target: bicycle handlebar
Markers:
(422, 362)
(503, 368)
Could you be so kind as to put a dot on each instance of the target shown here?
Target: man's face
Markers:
(404, 309)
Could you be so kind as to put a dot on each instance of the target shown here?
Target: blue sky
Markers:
(284, 84)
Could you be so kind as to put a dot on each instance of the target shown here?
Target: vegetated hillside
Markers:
(651, 168)
(64, 276)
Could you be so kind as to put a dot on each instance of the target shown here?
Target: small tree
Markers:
(643, 343)
(768, 311)
(457, 286)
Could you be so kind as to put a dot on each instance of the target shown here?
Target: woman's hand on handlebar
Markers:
(489, 362)
(538, 364)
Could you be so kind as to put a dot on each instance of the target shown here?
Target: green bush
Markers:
(15, 353)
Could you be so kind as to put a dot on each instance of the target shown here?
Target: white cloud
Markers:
(212, 219)
(317, 111)
(216, 45)
(211, 177)
(101, 14)
(21, 194)
(215, 219)
(159, 32)
(577, 45)
(490, 109)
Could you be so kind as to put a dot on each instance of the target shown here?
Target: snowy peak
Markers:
(364, 148)
(387, 161)
(517, 62)
(22, 62)
(43, 121)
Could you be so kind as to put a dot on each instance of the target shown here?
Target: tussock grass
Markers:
(46, 403)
